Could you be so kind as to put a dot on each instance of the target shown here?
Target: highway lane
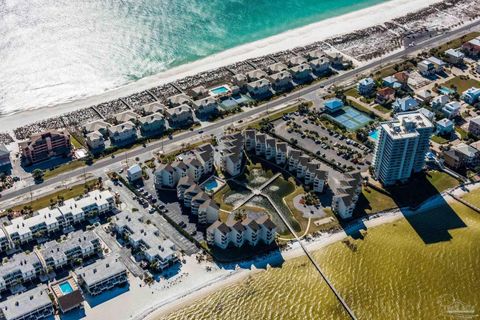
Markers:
(185, 136)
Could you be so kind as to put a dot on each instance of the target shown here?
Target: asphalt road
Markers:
(104, 163)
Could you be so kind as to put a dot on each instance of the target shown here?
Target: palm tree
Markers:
(37, 174)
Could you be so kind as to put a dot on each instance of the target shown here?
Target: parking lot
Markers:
(325, 143)
(131, 202)
(169, 205)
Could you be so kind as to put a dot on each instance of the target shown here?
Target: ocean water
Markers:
(401, 270)
(55, 51)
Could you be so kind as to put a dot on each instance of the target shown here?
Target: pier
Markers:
(315, 264)
(259, 192)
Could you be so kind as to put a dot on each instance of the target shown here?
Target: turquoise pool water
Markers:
(374, 135)
(446, 90)
(211, 185)
(219, 90)
(66, 287)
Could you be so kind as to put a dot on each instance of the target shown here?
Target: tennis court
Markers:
(350, 118)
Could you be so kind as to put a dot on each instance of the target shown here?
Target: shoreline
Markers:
(291, 39)
(295, 251)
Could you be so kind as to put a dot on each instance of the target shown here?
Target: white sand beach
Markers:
(290, 39)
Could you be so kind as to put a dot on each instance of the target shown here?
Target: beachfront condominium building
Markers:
(32, 304)
(78, 246)
(281, 80)
(50, 220)
(123, 133)
(401, 147)
(145, 239)
(259, 88)
(18, 269)
(250, 230)
(44, 146)
(95, 140)
(232, 159)
(152, 124)
(346, 189)
(197, 164)
(103, 275)
(179, 116)
(178, 100)
(205, 107)
(474, 126)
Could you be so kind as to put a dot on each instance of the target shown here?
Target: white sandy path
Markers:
(287, 40)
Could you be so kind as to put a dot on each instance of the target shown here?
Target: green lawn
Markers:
(361, 108)
(463, 134)
(382, 109)
(298, 215)
(441, 181)
(372, 201)
(439, 139)
(458, 42)
(391, 70)
(461, 84)
(44, 201)
(419, 189)
(72, 165)
(219, 196)
(473, 197)
(353, 92)
(75, 142)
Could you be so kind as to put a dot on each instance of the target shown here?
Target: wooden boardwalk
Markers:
(314, 262)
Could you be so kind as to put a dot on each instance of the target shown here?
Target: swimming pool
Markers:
(374, 135)
(211, 185)
(219, 90)
(446, 90)
(66, 287)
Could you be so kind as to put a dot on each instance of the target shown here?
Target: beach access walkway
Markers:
(314, 262)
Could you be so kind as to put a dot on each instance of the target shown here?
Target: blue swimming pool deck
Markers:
(212, 185)
(219, 90)
(446, 91)
(66, 294)
(374, 135)
(66, 287)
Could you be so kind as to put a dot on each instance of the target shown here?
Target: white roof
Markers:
(20, 305)
(406, 124)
